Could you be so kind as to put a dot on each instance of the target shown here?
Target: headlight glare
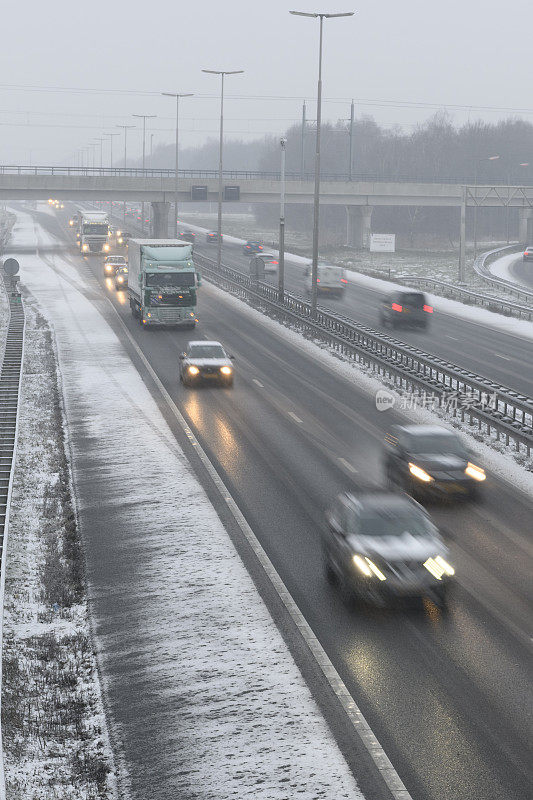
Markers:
(193, 370)
(474, 472)
(420, 473)
(438, 567)
(225, 370)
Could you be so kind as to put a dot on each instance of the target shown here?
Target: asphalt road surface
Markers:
(449, 698)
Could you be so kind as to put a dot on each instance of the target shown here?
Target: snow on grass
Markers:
(497, 458)
(243, 722)
(54, 730)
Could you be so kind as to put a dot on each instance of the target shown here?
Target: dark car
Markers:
(405, 309)
(428, 460)
(528, 254)
(211, 237)
(384, 547)
(205, 362)
(252, 247)
(187, 236)
(121, 278)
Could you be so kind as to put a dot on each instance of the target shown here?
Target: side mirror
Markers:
(232, 357)
(182, 356)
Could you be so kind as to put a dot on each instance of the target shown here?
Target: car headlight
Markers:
(120, 279)
(226, 370)
(420, 473)
(368, 568)
(474, 472)
(85, 248)
(106, 248)
(193, 370)
(438, 567)
(120, 240)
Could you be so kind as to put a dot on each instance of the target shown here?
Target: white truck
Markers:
(330, 280)
(162, 282)
(93, 232)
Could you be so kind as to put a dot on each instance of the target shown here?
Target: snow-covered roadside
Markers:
(501, 464)
(54, 730)
(246, 723)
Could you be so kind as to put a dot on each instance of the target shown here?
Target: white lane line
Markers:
(505, 358)
(452, 337)
(295, 417)
(258, 383)
(347, 464)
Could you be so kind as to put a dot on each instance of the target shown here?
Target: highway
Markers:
(450, 699)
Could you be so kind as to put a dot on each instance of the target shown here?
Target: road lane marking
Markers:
(295, 417)
(258, 383)
(505, 358)
(448, 336)
(347, 464)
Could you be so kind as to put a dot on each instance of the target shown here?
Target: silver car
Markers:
(205, 362)
(384, 547)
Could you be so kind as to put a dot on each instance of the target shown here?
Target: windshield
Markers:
(436, 443)
(415, 300)
(206, 351)
(99, 228)
(177, 279)
(389, 523)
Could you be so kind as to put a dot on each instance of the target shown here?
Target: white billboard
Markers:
(382, 242)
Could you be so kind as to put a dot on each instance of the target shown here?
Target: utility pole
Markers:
(144, 117)
(125, 128)
(177, 95)
(281, 256)
(350, 165)
(462, 239)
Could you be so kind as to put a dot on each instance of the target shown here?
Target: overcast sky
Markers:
(389, 57)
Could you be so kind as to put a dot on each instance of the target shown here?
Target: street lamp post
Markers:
(110, 137)
(479, 161)
(125, 128)
(316, 202)
(101, 141)
(222, 74)
(177, 95)
(144, 117)
(281, 256)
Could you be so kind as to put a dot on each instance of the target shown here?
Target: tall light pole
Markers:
(222, 74)
(110, 136)
(316, 202)
(177, 95)
(144, 117)
(477, 162)
(125, 128)
(101, 141)
(281, 256)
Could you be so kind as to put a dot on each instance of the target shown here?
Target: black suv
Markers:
(405, 309)
(384, 547)
(187, 236)
(428, 460)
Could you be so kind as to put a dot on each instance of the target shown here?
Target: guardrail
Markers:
(495, 409)
(10, 383)
(480, 266)
(14, 169)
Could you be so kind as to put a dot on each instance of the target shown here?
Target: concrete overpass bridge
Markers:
(358, 196)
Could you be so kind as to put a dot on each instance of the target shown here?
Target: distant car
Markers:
(121, 278)
(252, 247)
(330, 280)
(112, 264)
(429, 460)
(528, 254)
(187, 236)
(205, 362)
(211, 237)
(405, 309)
(383, 547)
(263, 262)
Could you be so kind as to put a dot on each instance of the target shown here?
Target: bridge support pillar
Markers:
(525, 225)
(160, 220)
(358, 226)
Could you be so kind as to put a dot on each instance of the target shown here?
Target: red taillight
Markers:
(428, 309)
(396, 307)
(318, 280)
(260, 247)
(273, 262)
(343, 280)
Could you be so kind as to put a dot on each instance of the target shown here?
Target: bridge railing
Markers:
(135, 172)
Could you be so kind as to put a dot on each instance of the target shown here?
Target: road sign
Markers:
(382, 242)
(11, 266)
(232, 194)
(199, 194)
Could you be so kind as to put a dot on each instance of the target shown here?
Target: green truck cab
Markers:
(162, 282)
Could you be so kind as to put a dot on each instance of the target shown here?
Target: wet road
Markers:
(450, 699)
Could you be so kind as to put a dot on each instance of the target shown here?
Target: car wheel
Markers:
(329, 572)
(442, 600)
(346, 592)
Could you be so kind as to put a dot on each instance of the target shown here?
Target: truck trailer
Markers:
(93, 232)
(162, 282)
